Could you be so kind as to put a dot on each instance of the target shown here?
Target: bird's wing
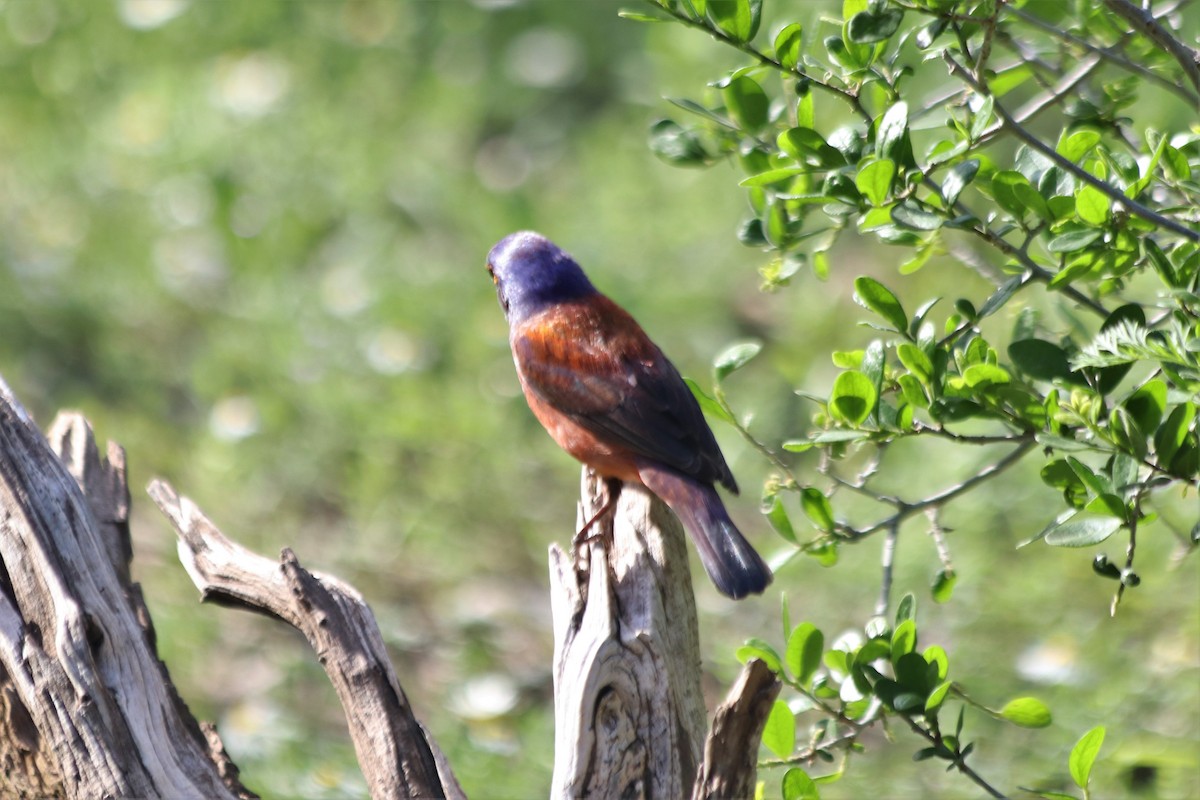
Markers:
(591, 361)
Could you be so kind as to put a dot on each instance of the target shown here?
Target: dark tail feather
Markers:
(734, 566)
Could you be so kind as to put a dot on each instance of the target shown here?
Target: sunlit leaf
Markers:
(734, 358)
(880, 299)
(779, 733)
(875, 180)
(798, 786)
(787, 45)
(1083, 756)
(804, 649)
(853, 397)
(1082, 531)
(1028, 712)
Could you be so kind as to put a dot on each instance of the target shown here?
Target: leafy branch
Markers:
(1101, 219)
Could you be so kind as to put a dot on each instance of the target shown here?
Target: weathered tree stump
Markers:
(629, 711)
(89, 707)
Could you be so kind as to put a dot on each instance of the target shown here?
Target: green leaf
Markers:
(904, 639)
(1001, 296)
(936, 698)
(1077, 145)
(1040, 359)
(707, 403)
(867, 27)
(1171, 435)
(847, 359)
(805, 144)
(1082, 531)
(906, 609)
(1147, 405)
(892, 127)
(779, 734)
(875, 180)
(943, 585)
(757, 648)
(777, 516)
(820, 265)
(1107, 504)
(1077, 268)
(734, 358)
(788, 45)
(935, 654)
(639, 16)
(914, 395)
(798, 786)
(982, 117)
(915, 361)
(1177, 164)
(804, 648)
(1083, 756)
(816, 508)
(747, 103)
(1016, 195)
(877, 297)
(957, 179)
(913, 673)
(985, 375)
(773, 176)
(912, 214)
(736, 18)
(1072, 241)
(853, 398)
(1028, 712)
(676, 145)
(1092, 205)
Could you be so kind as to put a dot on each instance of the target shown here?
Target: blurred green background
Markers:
(247, 240)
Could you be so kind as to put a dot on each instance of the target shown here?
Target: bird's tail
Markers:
(734, 566)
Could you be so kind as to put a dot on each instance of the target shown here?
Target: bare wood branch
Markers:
(397, 756)
(90, 698)
(629, 711)
(1142, 20)
(730, 767)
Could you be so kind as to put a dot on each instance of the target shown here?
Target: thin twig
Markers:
(1034, 271)
(1066, 164)
(1107, 53)
(1060, 91)
(960, 762)
(849, 97)
(936, 430)
(888, 559)
(938, 534)
(1143, 20)
(1129, 553)
(905, 510)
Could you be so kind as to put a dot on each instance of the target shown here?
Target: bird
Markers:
(609, 397)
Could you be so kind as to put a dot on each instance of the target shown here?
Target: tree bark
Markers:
(89, 707)
(398, 758)
(629, 712)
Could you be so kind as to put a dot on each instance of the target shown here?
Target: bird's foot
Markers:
(593, 528)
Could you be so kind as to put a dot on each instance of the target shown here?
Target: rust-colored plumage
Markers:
(610, 398)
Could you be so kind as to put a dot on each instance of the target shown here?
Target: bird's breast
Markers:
(608, 460)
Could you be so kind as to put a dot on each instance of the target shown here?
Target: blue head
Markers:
(531, 273)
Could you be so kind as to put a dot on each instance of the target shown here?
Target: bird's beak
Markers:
(492, 272)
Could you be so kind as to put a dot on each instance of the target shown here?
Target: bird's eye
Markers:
(492, 272)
